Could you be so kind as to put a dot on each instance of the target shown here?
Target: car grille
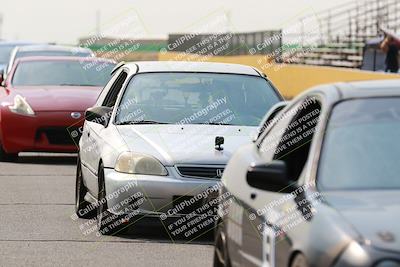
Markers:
(60, 135)
(213, 172)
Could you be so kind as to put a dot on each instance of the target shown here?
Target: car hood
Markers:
(375, 215)
(185, 144)
(58, 98)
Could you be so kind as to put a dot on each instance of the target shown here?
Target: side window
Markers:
(290, 138)
(269, 117)
(271, 139)
(105, 90)
(294, 145)
(112, 94)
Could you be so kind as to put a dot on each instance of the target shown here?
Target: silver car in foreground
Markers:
(320, 186)
(158, 139)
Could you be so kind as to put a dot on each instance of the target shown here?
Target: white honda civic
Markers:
(160, 135)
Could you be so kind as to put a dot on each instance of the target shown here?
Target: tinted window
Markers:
(295, 143)
(361, 148)
(193, 98)
(105, 91)
(112, 95)
(75, 73)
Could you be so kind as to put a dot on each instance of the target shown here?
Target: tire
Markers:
(7, 157)
(107, 223)
(299, 261)
(83, 209)
(221, 256)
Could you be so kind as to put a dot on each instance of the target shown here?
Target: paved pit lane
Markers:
(36, 229)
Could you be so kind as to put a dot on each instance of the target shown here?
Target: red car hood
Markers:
(58, 98)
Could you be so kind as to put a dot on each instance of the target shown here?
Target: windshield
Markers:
(5, 51)
(59, 72)
(197, 98)
(52, 53)
(361, 148)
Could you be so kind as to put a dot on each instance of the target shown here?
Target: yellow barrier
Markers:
(289, 79)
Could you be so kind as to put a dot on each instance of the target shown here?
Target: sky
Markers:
(65, 21)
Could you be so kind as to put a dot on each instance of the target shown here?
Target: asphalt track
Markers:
(37, 227)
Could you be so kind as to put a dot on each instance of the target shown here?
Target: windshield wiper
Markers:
(141, 122)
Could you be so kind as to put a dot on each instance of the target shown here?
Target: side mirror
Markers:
(271, 114)
(100, 115)
(270, 177)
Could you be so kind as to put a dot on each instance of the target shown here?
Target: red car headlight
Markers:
(21, 106)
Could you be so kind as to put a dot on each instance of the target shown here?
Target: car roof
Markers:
(358, 89)
(53, 48)
(64, 58)
(186, 66)
(362, 89)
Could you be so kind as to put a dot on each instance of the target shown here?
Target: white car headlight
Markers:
(354, 255)
(129, 162)
(21, 106)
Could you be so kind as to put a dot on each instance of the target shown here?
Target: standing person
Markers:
(391, 47)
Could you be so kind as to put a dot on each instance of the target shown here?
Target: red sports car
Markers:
(43, 102)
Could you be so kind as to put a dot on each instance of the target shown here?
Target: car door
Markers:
(85, 142)
(93, 142)
(253, 241)
(288, 141)
(235, 183)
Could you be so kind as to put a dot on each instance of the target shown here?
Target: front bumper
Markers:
(157, 196)
(44, 132)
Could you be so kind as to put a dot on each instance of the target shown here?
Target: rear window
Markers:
(68, 73)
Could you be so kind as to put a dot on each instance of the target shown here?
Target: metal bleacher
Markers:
(336, 37)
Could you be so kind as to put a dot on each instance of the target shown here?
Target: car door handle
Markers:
(88, 134)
